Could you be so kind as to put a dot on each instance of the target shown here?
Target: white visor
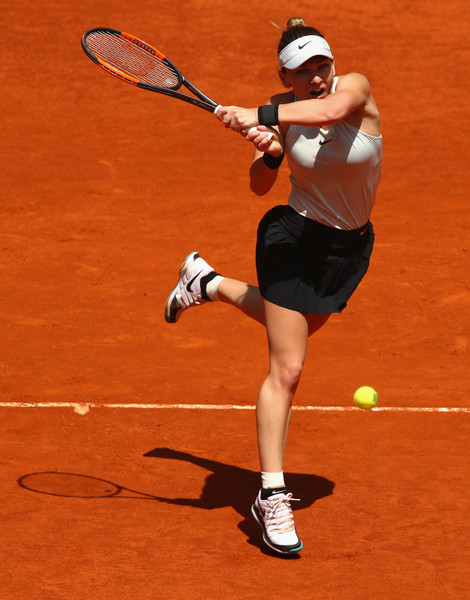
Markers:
(298, 51)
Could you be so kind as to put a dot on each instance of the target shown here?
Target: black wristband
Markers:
(273, 162)
(268, 114)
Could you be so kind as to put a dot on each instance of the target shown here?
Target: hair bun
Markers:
(295, 22)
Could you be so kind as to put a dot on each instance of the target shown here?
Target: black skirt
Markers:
(309, 267)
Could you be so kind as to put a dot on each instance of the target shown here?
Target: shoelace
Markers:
(279, 513)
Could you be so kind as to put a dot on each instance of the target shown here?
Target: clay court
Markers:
(128, 446)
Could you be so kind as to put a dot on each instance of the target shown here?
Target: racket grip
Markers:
(216, 109)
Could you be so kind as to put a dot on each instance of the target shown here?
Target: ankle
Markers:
(271, 480)
(209, 285)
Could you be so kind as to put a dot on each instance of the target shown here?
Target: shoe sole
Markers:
(282, 550)
(172, 306)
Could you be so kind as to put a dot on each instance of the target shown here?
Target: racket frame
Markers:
(199, 99)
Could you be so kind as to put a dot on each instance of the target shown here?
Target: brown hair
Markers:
(296, 29)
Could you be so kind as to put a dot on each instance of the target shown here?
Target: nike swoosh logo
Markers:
(188, 286)
(303, 45)
(323, 142)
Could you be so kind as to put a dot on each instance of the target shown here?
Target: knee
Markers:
(288, 375)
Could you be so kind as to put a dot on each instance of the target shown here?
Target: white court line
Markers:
(84, 407)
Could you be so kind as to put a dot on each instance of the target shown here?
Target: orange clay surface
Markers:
(105, 189)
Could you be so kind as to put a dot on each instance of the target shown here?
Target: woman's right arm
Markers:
(262, 177)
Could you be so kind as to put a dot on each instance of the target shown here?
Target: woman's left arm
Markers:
(352, 94)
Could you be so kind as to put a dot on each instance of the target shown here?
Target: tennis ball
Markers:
(366, 397)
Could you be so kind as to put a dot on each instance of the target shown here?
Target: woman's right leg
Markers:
(243, 296)
(198, 283)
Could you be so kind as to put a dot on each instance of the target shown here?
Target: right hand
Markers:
(262, 141)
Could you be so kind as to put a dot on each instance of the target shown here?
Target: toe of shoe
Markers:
(172, 309)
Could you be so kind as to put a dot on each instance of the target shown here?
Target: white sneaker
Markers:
(276, 519)
(188, 289)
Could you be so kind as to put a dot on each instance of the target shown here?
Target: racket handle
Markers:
(216, 109)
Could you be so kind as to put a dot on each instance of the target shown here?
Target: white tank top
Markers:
(334, 173)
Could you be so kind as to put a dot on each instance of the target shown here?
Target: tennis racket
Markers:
(141, 65)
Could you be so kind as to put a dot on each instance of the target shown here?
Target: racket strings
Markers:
(130, 59)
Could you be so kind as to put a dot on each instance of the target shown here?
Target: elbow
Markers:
(261, 178)
(259, 190)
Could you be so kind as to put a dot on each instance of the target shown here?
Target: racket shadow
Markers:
(74, 485)
(231, 486)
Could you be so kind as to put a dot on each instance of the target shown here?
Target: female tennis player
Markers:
(313, 251)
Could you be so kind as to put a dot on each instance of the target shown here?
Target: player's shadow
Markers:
(227, 485)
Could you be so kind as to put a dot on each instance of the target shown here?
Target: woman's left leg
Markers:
(288, 333)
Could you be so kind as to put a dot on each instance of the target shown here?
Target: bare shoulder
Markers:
(283, 98)
(353, 80)
(366, 117)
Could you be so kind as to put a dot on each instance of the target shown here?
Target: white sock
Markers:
(211, 288)
(272, 480)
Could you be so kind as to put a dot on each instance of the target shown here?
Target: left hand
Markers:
(237, 118)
